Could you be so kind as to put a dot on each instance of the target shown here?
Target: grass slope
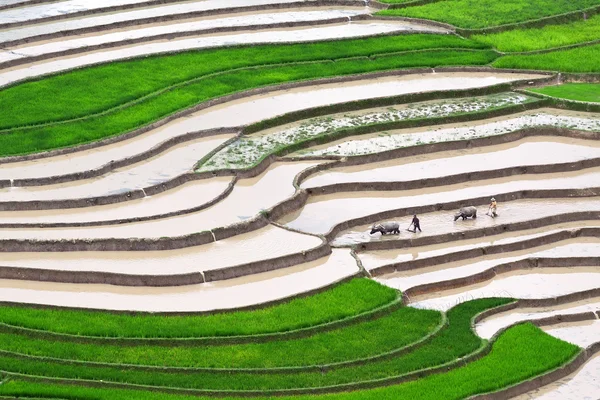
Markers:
(589, 92)
(23, 141)
(342, 301)
(522, 352)
(473, 14)
(453, 341)
(389, 332)
(581, 59)
(547, 37)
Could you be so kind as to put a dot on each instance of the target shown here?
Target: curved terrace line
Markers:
(60, 13)
(246, 94)
(480, 352)
(476, 253)
(135, 19)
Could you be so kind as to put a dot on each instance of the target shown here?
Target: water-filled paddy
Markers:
(526, 152)
(233, 293)
(489, 326)
(568, 249)
(322, 213)
(528, 284)
(263, 244)
(246, 201)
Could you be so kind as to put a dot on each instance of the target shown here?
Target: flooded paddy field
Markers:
(166, 191)
(161, 168)
(246, 201)
(187, 196)
(442, 222)
(396, 139)
(525, 152)
(378, 258)
(233, 293)
(405, 280)
(542, 283)
(322, 213)
(123, 25)
(266, 243)
(582, 384)
(489, 326)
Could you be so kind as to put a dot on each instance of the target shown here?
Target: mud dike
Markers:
(202, 228)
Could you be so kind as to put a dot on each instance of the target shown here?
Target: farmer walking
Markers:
(416, 224)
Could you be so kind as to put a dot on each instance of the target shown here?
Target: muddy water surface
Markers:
(178, 10)
(489, 326)
(83, 41)
(442, 222)
(584, 247)
(173, 162)
(530, 151)
(161, 168)
(266, 243)
(233, 293)
(322, 213)
(247, 199)
(39, 11)
(190, 195)
(534, 284)
(583, 334)
(375, 259)
(583, 384)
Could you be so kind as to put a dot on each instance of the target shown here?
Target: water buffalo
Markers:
(386, 227)
(466, 212)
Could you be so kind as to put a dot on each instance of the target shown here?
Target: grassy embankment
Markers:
(578, 60)
(456, 339)
(547, 37)
(342, 301)
(386, 333)
(475, 14)
(520, 353)
(589, 92)
(201, 75)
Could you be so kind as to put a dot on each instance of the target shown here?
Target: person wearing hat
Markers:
(493, 207)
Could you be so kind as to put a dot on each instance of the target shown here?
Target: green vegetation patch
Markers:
(547, 37)
(456, 339)
(24, 141)
(581, 59)
(342, 301)
(392, 331)
(98, 88)
(472, 14)
(589, 92)
(520, 353)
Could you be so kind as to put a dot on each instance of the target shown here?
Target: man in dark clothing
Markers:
(417, 225)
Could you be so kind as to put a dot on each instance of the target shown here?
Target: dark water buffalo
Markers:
(466, 212)
(386, 227)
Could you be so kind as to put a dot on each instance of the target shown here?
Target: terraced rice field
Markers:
(188, 191)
